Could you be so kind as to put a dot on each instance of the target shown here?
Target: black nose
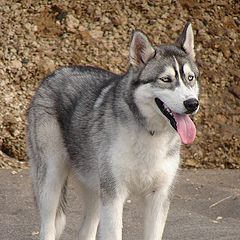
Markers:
(191, 105)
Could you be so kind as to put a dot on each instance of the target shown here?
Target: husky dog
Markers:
(119, 134)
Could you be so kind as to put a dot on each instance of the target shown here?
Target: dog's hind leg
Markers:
(90, 223)
(52, 216)
(50, 168)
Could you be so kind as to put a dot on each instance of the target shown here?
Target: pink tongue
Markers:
(185, 127)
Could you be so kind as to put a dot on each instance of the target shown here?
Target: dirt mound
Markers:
(37, 37)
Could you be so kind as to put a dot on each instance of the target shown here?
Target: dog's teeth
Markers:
(168, 110)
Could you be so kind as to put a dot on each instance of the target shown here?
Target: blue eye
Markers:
(190, 78)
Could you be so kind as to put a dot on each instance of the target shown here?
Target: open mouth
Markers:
(166, 112)
(182, 123)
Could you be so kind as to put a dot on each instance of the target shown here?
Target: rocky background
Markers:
(37, 37)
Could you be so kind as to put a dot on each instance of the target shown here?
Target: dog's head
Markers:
(167, 82)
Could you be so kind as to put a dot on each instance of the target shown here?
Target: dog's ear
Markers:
(141, 50)
(186, 40)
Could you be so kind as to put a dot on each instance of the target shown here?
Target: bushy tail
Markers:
(49, 170)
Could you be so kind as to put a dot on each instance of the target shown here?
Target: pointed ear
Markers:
(186, 40)
(141, 49)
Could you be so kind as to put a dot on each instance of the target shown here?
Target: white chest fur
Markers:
(143, 162)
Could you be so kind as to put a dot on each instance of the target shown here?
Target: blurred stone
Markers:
(188, 4)
(25, 61)
(60, 13)
(235, 89)
(85, 35)
(8, 98)
(190, 163)
(119, 20)
(16, 64)
(72, 23)
(47, 65)
(96, 34)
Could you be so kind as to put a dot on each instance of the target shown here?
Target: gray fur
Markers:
(75, 115)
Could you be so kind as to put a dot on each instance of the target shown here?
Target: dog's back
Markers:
(59, 93)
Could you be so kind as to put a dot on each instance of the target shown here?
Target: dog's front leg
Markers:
(156, 209)
(111, 216)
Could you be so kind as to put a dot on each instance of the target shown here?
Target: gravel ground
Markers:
(36, 37)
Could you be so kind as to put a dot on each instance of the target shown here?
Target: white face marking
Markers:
(196, 88)
(178, 71)
(168, 71)
(187, 70)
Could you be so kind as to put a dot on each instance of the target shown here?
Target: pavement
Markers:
(205, 206)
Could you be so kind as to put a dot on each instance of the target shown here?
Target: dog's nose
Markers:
(191, 105)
